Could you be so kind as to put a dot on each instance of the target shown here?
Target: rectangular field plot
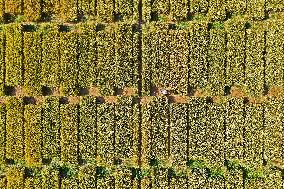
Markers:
(216, 60)
(179, 131)
(155, 124)
(235, 70)
(50, 70)
(87, 176)
(33, 182)
(236, 7)
(126, 131)
(165, 59)
(198, 57)
(178, 60)
(87, 56)
(32, 62)
(126, 10)
(13, 56)
(273, 130)
(105, 134)
(253, 135)
(86, 8)
(123, 179)
(275, 5)
(13, 7)
(155, 61)
(126, 57)
(88, 129)
(234, 129)
(32, 9)
(68, 63)
(15, 177)
(254, 67)
(217, 10)
(256, 9)
(274, 54)
(153, 10)
(50, 178)
(106, 60)
(50, 122)
(69, 183)
(198, 145)
(215, 127)
(15, 129)
(69, 133)
(104, 10)
(33, 135)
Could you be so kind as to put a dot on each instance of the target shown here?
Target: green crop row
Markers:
(253, 134)
(69, 67)
(254, 61)
(69, 133)
(50, 60)
(198, 57)
(88, 129)
(126, 131)
(155, 125)
(274, 53)
(87, 57)
(164, 59)
(105, 133)
(236, 43)
(216, 60)
(179, 133)
(32, 63)
(13, 55)
(126, 57)
(50, 128)
(33, 134)
(14, 129)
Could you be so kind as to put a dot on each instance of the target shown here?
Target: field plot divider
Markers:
(23, 131)
(243, 138)
(140, 69)
(78, 131)
(22, 56)
(264, 53)
(140, 25)
(245, 55)
(263, 135)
